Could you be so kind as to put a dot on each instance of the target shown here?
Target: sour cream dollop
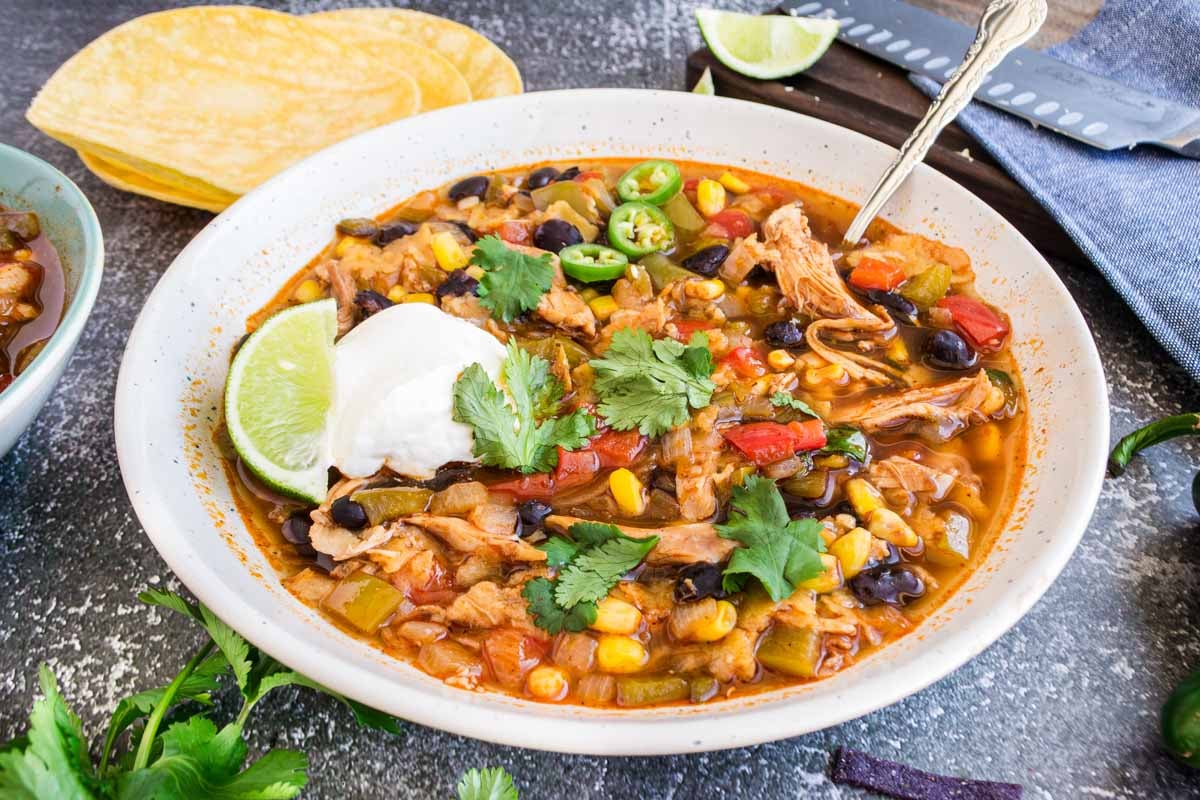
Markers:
(394, 375)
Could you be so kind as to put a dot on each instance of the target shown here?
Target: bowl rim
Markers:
(80, 303)
(518, 724)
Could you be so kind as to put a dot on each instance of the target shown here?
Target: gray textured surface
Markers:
(1066, 703)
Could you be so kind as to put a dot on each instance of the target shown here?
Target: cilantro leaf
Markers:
(785, 400)
(559, 551)
(593, 534)
(490, 783)
(779, 551)
(649, 384)
(513, 282)
(850, 441)
(513, 431)
(593, 574)
(367, 717)
(54, 760)
(232, 646)
(549, 615)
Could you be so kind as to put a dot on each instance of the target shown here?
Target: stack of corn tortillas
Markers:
(199, 105)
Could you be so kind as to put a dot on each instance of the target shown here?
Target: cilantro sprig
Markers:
(519, 429)
(589, 565)
(513, 282)
(489, 783)
(785, 400)
(780, 552)
(174, 751)
(649, 384)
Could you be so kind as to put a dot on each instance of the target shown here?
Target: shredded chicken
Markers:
(898, 472)
(465, 537)
(488, 605)
(341, 544)
(467, 307)
(18, 285)
(696, 466)
(677, 544)
(733, 657)
(343, 289)
(562, 306)
(946, 408)
(744, 256)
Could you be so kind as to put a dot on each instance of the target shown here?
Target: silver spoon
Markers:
(1005, 26)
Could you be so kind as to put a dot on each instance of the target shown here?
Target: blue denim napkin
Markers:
(1136, 214)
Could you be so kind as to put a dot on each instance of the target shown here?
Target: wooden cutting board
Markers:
(857, 91)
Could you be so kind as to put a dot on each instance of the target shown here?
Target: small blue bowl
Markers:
(68, 220)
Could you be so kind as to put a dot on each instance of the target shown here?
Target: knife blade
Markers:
(1047, 92)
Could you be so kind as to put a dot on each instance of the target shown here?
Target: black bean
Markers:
(296, 527)
(698, 581)
(475, 186)
(758, 275)
(457, 283)
(466, 229)
(370, 303)
(948, 350)
(555, 234)
(902, 308)
(532, 513)
(394, 230)
(359, 227)
(889, 586)
(890, 560)
(348, 514)
(324, 562)
(541, 177)
(706, 262)
(784, 333)
(567, 174)
(663, 479)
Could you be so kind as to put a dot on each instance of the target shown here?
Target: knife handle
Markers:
(1005, 26)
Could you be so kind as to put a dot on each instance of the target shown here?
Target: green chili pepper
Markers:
(1154, 433)
(683, 214)
(1181, 721)
(653, 182)
(638, 229)
(593, 262)
(663, 271)
(1004, 382)
(926, 288)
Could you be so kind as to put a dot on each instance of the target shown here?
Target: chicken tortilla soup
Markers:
(625, 433)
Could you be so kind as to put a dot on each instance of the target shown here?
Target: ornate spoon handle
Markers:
(1005, 26)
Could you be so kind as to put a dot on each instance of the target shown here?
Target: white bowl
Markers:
(28, 183)
(170, 386)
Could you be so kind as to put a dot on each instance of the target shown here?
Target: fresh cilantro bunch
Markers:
(174, 751)
(519, 429)
(779, 551)
(513, 282)
(649, 384)
(589, 565)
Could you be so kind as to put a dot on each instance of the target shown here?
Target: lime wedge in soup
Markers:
(768, 46)
(278, 396)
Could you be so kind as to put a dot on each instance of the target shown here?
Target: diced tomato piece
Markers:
(810, 434)
(745, 362)
(510, 654)
(587, 176)
(715, 231)
(539, 486)
(684, 328)
(762, 442)
(575, 468)
(514, 232)
(425, 580)
(690, 184)
(871, 273)
(618, 448)
(734, 220)
(983, 328)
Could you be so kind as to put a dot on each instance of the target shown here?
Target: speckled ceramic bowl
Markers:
(171, 379)
(27, 182)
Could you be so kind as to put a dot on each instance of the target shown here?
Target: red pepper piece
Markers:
(735, 221)
(871, 273)
(745, 362)
(618, 448)
(684, 328)
(983, 328)
(514, 232)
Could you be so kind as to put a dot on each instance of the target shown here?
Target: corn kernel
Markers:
(829, 579)
(734, 184)
(993, 402)
(308, 291)
(897, 351)
(717, 626)
(344, 246)
(589, 294)
(620, 654)
(852, 550)
(627, 491)
(863, 496)
(419, 297)
(704, 290)
(710, 197)
(780, 360)
(603, 307)
(741, 473)
(986, 442)
(547, 683)
(446, 250)
(890, 526)
(616, 616)
(396, 294)
(476, 271)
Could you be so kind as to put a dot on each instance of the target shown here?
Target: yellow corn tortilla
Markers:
(487, 69)
(440, 83)
(128, 180)
(225, 95)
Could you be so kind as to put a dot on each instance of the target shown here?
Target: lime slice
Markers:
(705, 84)
(277, 399)
(768, 46)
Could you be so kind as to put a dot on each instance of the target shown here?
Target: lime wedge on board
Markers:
(277, 399)
(705, 84)
(767, 46)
